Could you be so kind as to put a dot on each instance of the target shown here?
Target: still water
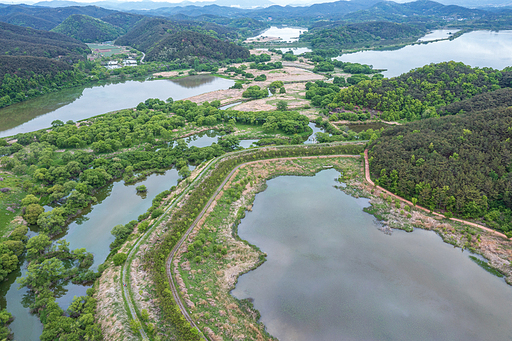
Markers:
(287, 34)
(438, 34)
(83, 102)
(479, 48)
(117, 204)
(331, 274)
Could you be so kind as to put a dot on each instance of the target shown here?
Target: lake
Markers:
(478, 48)
(331, 274)
(287, 34)
(84, 102)
(438, 34)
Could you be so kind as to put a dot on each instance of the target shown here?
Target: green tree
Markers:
(119, 258)
(32, 212)
(282, 105)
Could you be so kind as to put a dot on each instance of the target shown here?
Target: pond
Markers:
(331, 274)
(478, 48)
(287, 34)
(84, 102)
(117, 204)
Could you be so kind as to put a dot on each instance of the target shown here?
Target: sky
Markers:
(278, 2)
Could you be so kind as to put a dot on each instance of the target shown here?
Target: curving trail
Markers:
(369, 180)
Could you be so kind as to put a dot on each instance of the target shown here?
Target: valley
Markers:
(309, 172)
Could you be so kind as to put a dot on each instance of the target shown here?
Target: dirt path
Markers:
(369, 180)
(170, 259)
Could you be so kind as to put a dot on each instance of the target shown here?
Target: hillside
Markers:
(187, 43)
(22, 41)
(422, 10)
(22, 77)
(149, 31)
(126, 21)
(343, 36)
(422, 91)
(44, 18)
(88, 29)
(458, 164)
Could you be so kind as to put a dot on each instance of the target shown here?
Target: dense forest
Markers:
(46, 18)
(88, 29)
(21, 41)
(189, 44)
(150, 31)
(337, 37)
(459, 164)
(421, 92)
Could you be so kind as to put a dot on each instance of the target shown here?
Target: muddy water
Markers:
(117, 204)
(332, 275)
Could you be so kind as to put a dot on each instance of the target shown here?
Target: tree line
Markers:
(458, 164)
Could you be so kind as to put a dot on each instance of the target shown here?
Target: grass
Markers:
(229, 316)
(11, 199)
(485, 265)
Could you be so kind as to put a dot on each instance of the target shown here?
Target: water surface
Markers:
(117, 204)
(438, 34)
(478, 48)
(331, 274)
(287, 34)
(83, 102)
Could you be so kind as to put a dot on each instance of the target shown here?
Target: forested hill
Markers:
(459, 164)
(149, 31)
(488, 100)
(168, 40)
(44, 18)
(343, 36)
(192, 44)
(421, 92)
(22, 41)
(88, 29)
(422, 10)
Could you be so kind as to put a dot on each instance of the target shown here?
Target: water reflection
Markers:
(478, 48)
(331, 274)
(80, 103)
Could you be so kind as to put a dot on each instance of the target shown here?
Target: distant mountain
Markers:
(415, 11)
(88, 29)
(45, 18)
(324, 10)
(22, 41)
(194, 11)
(152, 5)
(342, 36)
(124, 20)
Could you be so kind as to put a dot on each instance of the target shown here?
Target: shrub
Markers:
(143, 227)
(141, 189)
(156, 213)
(119, 258)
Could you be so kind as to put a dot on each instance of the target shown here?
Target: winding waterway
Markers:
(84, 102)
(331, 274)
(117, 204)
(478, 48)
